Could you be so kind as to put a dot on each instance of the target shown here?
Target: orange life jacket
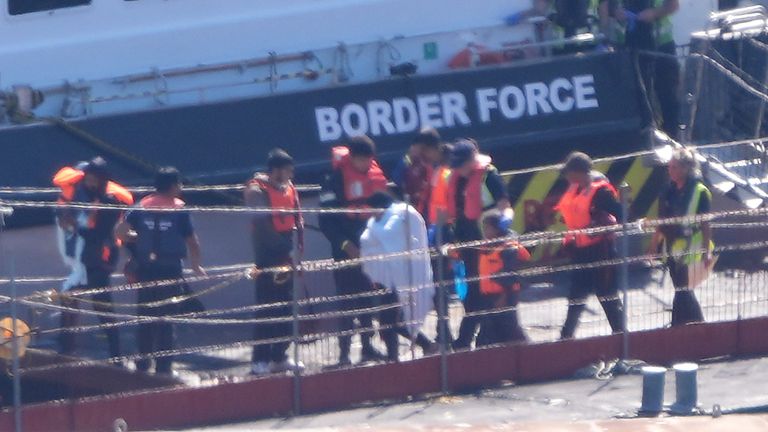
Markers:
(287, 198)
(159, 201)
(476, 200)
(491, 263)
(68, 178)
(438, 196)
(358, 187)
(576, 208)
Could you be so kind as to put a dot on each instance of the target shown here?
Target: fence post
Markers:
(624, 191)
(442, 306)
(296, 259)
(409, 260)
(6, 211)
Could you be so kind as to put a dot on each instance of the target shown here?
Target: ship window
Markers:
(20, 7)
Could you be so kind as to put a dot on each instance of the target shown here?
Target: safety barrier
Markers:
(215, 345)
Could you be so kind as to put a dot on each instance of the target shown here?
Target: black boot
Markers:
(345, 343)
(615, 314)
(428, 347)
(369, 353)
(571, 321)
(467, 331)
(393, 347)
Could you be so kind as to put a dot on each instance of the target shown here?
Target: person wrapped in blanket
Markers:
(87, 243)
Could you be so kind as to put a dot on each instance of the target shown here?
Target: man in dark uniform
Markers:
(94, 230)
(162, 240)
(413, 174)
(356, 176)
(272, 236)
(686, 196)
(475, 186)
(648, 27)
(590, 201)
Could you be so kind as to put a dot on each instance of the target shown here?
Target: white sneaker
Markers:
(260, 368)
(287, 366)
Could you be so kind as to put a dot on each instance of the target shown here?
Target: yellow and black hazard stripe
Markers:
(535, 194)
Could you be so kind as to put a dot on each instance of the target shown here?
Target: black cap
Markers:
(428, 136)
(361, 146)
(380, 200)
(577, 162)
(98, 167)
(166, 178)
(278, 158)
(463, 151)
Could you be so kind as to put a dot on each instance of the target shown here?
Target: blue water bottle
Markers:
(460, 279)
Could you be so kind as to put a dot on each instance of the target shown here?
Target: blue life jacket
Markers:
(160, 237)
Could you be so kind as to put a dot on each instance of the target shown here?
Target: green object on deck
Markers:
(430, 51)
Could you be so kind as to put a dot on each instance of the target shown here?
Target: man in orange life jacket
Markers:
(475, 186)
(272, 236)
(355, 177)
(590, 201)
(501, 325)
(161, 241)
(413, 174)
(437, 215)
(92, 233)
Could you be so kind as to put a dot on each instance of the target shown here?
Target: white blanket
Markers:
(70, 247)
(399, 229)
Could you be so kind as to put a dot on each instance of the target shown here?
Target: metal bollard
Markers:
(686, 392)
(653, 390)
(624, 269)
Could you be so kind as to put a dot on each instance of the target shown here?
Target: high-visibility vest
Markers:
(663, 32)
(491, 262)
(358, 187)
(576, 208)
(286, 198)
(681, 247)
(477, 196)
(438, 196)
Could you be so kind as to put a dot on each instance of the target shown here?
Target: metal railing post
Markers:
(296, 258)
(410, 259)
(17, 419)
(624, 191)
(442, 307)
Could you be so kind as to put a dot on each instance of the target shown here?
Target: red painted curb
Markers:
(180, 407)
(344, 388)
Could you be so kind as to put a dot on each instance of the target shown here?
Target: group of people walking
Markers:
(447, 191)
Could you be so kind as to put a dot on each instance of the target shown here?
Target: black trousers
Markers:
(661, 76)
(98, 277)
(157, 336)
(352, 281)
(598, 280)
(269, 291)
(685, 307)
(443, 286)
(392, 319)
(502, 326)
(475, 302)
